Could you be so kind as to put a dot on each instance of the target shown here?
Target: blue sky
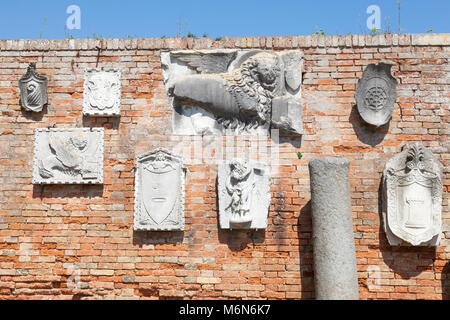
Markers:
(25, 19)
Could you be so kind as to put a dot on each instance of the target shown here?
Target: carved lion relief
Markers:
(102, 92)
(33, 90)
(244, 194)
(412, 195)
(238, 91)
(68, 156)
(376, 94)
(159, 193)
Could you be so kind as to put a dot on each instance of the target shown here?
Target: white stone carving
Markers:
(412, 195)
(102, 92)
(68, 156)
(244, 194)
(234, 91)
(159, 191)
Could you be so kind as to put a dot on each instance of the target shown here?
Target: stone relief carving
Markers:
(159, 193)
(376, 94)
(68, 156)
(244, 194)
(237, 91)
(412, 195)
(102, 92)
(33, 89)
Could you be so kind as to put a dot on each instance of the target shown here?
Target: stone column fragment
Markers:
(334, 247)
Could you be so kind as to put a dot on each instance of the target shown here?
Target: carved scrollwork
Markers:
(412, 197)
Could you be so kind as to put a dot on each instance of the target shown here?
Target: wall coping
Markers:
(285, 42)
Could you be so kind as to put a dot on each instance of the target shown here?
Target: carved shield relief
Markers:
(376, 94)
(102, 92)
(33, 90)
(413, 198)
(159, 194)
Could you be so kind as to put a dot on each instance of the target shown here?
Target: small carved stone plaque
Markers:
(376, 94)
(244, 194)
(33, 90)
(68, 156)
(159, 192)
(102, 92)
(234, 91)
(412, 195)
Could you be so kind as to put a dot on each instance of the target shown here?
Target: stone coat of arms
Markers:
(102, 92)
(159, 194)
(33, 90)
(376, 94)
(412, 195)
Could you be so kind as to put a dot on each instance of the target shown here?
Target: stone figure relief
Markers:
(412, 195)
(244, 194)
(237, 91)
(33, 90)
(159, 193)
(102, 92)
(68, 156)
(376, 94)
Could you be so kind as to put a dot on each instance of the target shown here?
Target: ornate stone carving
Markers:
(245, 91)
(33, 90)
(159, 193)
(68, 156)
(244, 194)
(102, 92)
(412, 196)
(376, 94)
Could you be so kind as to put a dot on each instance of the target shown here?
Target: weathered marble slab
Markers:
(234, 91)
(244, 194)
(102, 92)
(159, 191)
(68, 156)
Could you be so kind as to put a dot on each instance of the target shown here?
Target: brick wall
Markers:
(55, 236)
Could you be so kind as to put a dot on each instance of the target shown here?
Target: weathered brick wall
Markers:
(54, 236)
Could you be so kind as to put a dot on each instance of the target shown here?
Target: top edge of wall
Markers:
(285, 42)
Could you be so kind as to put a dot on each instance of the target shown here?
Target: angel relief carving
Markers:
(159, 194)
(245, 91)
(68, 156)
(244, 194)
(413, 197)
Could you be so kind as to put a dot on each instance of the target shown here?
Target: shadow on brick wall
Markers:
(238, 240)
(366, 133)
(405, 261)
(305, 250)
(106, 122)
(141, 238)
(68, 191)
(33, 116)
(445, 278)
